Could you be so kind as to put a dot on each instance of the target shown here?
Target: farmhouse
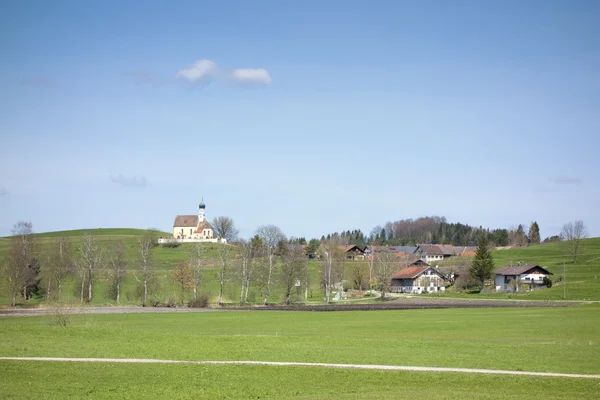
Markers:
(438, 252)
(511, 278)
(353, 252)
(418, 279)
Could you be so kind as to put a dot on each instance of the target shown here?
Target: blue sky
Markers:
(316, 116)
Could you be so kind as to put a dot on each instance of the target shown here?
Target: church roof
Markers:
(203, 225)
(190, 221)
(186, 221)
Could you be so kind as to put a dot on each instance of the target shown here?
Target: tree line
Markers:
(437, 230)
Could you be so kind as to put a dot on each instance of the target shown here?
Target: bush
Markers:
(547, 282)
(201, 301)
(172, 302)
(171, 244)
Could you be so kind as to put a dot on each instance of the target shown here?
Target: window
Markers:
(190, 231)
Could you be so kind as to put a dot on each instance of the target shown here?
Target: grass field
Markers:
(532, 339)
(134, 381)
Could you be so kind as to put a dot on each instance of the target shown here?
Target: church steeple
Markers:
(202, 207)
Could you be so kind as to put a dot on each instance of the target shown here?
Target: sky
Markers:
(315, 116)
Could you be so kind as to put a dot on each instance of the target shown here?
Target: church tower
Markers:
(201, 216)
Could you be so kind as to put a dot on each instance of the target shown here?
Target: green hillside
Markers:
(582, 277)
(165, 260)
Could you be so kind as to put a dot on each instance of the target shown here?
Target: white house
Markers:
(418, 279)
(511, 278)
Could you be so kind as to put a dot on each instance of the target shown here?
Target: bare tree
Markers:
(248, 251)
(332, 265)
(574, 232)
(224, 228)
(183, 275)
(293, 267)
(359, 274)
(270, 235)
(90, 261)
(59, 266)
(118, 268)
(17, 267)
(225, 257)
(22, 259)
(145, 245)
(196, 266)
(386, 264)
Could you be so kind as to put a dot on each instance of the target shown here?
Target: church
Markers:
(194, 227)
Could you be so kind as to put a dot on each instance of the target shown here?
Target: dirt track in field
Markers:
(399, 304)
(305, 364)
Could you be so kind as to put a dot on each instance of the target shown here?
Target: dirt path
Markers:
(304, 364)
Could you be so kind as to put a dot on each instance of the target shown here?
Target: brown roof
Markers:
(409, 272)
(432, 250)
(520, 269)
(349, 247)
(203, 225)
(186, 221)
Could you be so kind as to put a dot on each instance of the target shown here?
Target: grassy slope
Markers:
(553, 340)
(166, 259)
(583, 277)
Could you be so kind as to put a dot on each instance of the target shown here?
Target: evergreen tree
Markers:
(483, 263)
(534, 233)
(382, 236)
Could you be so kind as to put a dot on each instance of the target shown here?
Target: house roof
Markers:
(519, 270)
(349, 247)
(186, 221)
(410, 272)
(203, 225)
(406, 249)
(432, 250)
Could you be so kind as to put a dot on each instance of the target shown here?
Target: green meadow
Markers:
(580, 280)
(531, 339)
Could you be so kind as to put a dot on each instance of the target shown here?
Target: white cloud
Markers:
(133, 181)
(3, 191)
(257, 76)
(202, 69)
(207, 70)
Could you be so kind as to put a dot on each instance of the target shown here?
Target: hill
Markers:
(582, 277)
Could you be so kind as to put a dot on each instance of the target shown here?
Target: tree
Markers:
(145, 260)
(482, 266)
(60, 264)
(225, 257)
(183, 275)
(312, 247)
(196, 266)
(19, 267)
(386, 264)
(270, 235)
(90, 261)
(293, 267)
(359, 275)
(574, 232)
(248, 251)
(534, 233)
(332, 265)
(118, 268)
(224, 228)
